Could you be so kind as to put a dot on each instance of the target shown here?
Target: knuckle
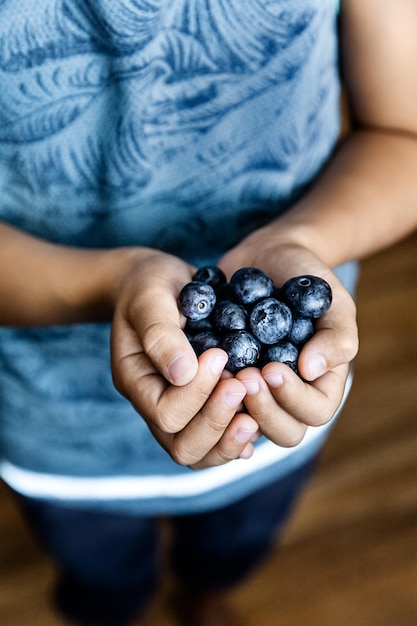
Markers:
(118, 382)
(169, 423)
(182, 455)
(120, 377)
(322, 419)
(217, 457)
(216, 426)
(349, 345)
(326, 410)
(294, 438)
(155, 338)
(222, 457)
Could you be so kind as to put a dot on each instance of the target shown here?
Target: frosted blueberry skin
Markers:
(198, 326)
(302, 330)
(252, 320)
(204, 341)
(211, 275)
(307, 296)
(249, 285)
(282, 352)
(243, 350)
(229, 316)
(196, 300)
(270, 321)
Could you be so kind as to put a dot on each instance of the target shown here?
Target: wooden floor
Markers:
(349, 556)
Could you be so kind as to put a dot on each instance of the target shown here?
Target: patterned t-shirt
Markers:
(161, 123)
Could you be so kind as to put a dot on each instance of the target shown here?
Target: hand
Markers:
(188, 404)
(282, 403)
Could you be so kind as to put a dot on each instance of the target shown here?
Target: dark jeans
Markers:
(108, 563)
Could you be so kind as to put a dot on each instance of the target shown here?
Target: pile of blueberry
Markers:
(249, 317)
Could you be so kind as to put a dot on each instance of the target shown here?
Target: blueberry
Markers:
(211, 275)
(229, 316)
(193, 328)
(196, 300)
(242, 348)
(270, 320)
(204, 341)
(283, 352)
(249, 317)
(224, 293)
(302, 330)
(307, 296)
(250, 284)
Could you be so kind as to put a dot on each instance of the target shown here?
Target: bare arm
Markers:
(43, 283)
(367, 198)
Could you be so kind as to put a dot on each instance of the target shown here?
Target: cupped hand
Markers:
(191, 409)
(282, 403)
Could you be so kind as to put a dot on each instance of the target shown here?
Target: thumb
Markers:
(164, 342)
(330, 347)
(150, 328)
(168, 348)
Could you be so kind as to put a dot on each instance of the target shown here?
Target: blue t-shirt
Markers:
(161, 124)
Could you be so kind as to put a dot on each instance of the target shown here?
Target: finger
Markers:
(168, 407)
(335, 341)
(236, 442)
(274, 420)
(312, 404)
(159, 346)
(284, 405)
(157, 324)
(149, 307)
(200, 439)
(234, 437)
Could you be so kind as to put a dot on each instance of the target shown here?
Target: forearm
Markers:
(365, 200)
(43, 283)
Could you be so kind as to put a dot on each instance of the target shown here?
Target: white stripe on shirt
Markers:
(43, 485)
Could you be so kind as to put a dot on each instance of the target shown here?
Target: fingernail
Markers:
(317, 366)
(232, 400)
(217, 364)
(243, 436)
(247, 452)
(179, 366)
(252, 386)
(274, 380)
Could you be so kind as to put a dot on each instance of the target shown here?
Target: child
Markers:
(139, 140)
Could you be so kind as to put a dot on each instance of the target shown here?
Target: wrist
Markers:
(283, 249)
(100, 275)
(45, 284)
